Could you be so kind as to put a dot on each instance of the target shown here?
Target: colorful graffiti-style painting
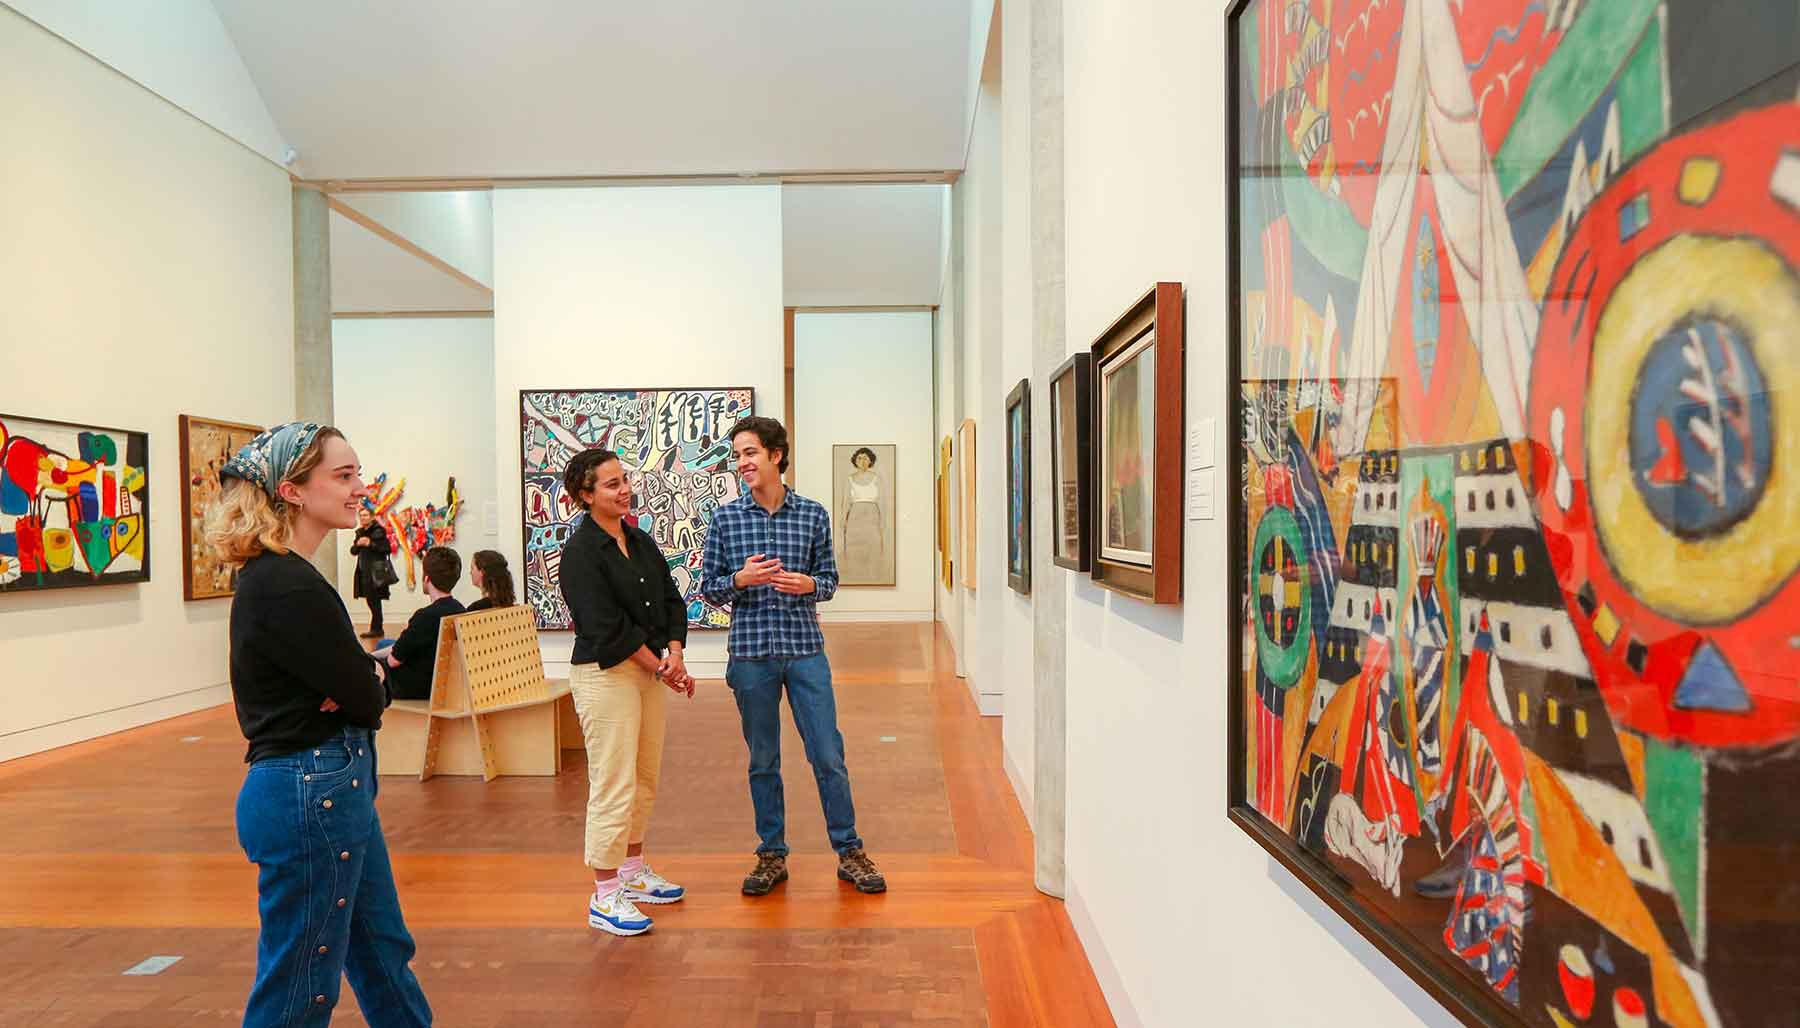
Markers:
(74, 505)
(205, 447)
(1518, 342)
(676, 446)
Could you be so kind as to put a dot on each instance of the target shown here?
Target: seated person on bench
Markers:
(413, 656)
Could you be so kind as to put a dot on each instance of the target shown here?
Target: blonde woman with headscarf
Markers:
(309, 700)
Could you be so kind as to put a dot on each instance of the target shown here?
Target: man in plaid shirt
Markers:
(769, 555)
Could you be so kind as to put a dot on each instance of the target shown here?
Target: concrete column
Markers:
(1050, 597)
(312, 327)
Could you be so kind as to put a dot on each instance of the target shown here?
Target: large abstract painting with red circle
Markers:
(74, 506)
(1518, 309)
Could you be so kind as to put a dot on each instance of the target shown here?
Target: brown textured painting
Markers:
(205, 447)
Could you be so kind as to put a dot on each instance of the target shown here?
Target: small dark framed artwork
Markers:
(1071, 462)
(1138, 416)
(1018, 488)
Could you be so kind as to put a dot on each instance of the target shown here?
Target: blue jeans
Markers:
(757, 684)
(325, 890)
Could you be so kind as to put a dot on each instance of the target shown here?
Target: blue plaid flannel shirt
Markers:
(766, 624)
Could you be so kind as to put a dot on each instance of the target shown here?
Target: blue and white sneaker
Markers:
(616, 914)
(650, 887)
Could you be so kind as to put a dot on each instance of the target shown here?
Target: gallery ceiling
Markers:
(465, 89)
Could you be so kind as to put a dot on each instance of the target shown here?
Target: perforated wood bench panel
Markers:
(491, 710)
(501, 659)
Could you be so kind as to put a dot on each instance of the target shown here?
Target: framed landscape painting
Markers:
(1514, 349)
(1138, 386)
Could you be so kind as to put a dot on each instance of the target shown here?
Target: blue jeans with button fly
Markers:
(325, 891)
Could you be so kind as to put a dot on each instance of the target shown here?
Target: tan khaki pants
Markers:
(622, 716)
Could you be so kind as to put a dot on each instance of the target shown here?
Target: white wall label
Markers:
(1200, 495)
(490, 518)
(1200, 445)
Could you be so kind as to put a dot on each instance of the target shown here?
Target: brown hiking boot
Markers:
(855, 867)
(771, 870)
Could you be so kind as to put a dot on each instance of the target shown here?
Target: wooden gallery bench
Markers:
(491, 712)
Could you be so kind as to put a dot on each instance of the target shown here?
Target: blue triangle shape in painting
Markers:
(1710, 685)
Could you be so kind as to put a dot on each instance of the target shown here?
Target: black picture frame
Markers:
(135, 453)
(1076, 375)
(1456, 987)
(1018, 488)
(1465, 998)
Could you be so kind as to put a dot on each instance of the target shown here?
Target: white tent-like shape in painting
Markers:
(1432, 96)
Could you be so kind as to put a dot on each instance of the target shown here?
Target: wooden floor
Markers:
(124, 848)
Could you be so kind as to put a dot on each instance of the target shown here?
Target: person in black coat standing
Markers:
(372, 549)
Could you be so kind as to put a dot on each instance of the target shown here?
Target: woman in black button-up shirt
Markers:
(630, 630)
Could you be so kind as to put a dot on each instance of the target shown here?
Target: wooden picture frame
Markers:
(944, 539)
(1137, 489)
(206, 444)
(96, 532)
(965, 447)
(1071, 463)
(1018, 488)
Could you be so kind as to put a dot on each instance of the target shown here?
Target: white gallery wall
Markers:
(865, 377)
(177, 49)
(148, 268)
(945, 375)
(632, 287)
(415, 397)
(1186, 920)
(976, 360)
(1019, 679)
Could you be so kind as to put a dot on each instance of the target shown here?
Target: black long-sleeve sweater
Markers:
(292, 647)
(619, 603)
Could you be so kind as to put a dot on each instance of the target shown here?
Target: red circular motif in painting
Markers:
(1641, 667)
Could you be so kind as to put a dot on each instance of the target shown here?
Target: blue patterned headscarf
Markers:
(266, 460)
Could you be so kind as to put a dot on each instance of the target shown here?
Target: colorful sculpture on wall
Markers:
(414, 529)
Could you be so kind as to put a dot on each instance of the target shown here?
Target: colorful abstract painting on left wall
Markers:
(74, 505)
